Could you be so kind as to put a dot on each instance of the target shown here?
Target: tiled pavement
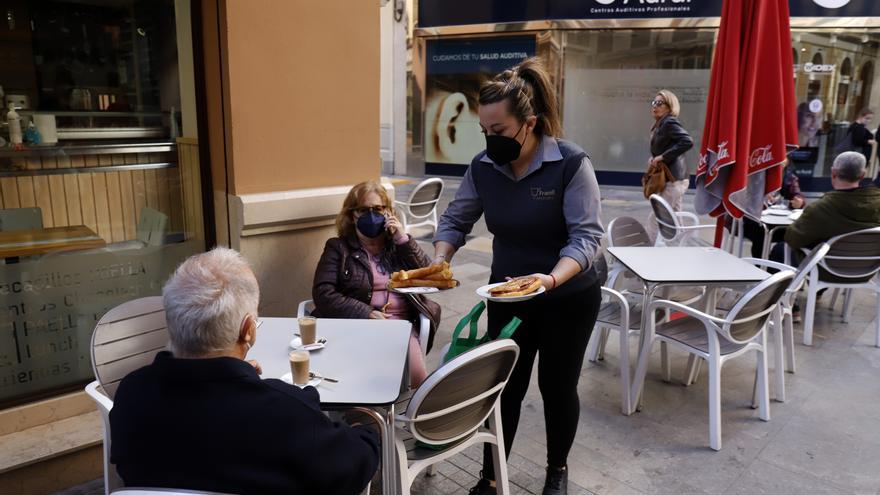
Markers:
(825, 439)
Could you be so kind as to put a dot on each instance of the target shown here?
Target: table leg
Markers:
(644, 351)
(768, 236)
(389, 454)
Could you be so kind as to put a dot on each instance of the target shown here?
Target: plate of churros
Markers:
(426, 280)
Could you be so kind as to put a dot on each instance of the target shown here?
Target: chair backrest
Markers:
(126, 338)
(305, 308)
(425, 196)
(455, 400)
(151, 227)
(667, 222)
(627, 232)
(806, 266)
(855, 255)
(21, 219)
(747, 317)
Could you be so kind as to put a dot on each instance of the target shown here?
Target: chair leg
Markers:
(834, 295)
(430, 470)
(714, 402)
(692, 371)
(810, 311)
(602, 342)
(763, 388)
(499, 456)
(847, 304)
(664, 360)
(778, 355)
(877, 318)
(623, 339)
(593, 344)
(403, 474)
(788, 330)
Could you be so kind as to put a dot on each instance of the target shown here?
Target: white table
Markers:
(771, 224)
(682, 266)
(368, 357)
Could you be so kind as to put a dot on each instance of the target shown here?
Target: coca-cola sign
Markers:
(761, 156)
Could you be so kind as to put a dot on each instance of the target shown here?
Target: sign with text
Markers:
(459, 12)
(454, 71)
(51, 306)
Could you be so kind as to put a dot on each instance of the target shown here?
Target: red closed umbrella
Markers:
(751, 120)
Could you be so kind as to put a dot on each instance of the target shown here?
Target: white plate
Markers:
(777, 212)
(419, 290)
(297, 345)
(795, 214)
(484, 292)
(313, 382)
(416, 290)
(777, 207)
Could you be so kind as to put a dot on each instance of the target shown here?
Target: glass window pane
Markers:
(611, 78)
(102, 200)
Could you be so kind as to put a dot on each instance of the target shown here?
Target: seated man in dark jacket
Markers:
(848, 208)
(201, 418)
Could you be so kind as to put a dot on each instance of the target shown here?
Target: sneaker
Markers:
(556, 482)
(483, 487)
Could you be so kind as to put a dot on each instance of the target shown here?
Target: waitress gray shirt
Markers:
(519, 211)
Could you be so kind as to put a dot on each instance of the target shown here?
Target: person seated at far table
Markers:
(199, 417)
(848, 208)
(790, 192)
(353, 272)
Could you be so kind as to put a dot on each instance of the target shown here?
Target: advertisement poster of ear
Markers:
(454, 71)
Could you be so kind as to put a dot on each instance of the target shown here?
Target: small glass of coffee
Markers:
(308, 329)
(299, 367)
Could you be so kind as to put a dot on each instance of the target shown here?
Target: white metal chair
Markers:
(621, 307)
(676, 227)
(126, 338)
(718, 340)
(447, 412)
(852, 262)
(782, 321)
(306, 307)
(421, 207)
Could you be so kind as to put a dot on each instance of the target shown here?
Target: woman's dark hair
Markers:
(528, 91)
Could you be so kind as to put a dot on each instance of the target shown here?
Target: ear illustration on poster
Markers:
(455, 70)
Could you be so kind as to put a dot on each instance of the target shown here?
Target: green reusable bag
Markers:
(460, 344)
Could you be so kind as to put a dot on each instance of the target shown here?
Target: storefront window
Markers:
(611, 78)
(831, 89)
(102, 199)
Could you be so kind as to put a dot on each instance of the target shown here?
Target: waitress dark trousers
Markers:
(555, 329)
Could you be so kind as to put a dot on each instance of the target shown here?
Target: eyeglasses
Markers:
(363, 210)
(657, 103)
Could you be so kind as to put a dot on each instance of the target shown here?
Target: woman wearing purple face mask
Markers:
(353, 272)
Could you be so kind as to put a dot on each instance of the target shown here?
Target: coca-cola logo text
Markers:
(760, 156)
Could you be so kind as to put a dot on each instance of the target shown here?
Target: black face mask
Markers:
(371, 224)
(502, 149)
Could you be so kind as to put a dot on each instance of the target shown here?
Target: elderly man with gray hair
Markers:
(849, 207)
(199, 417)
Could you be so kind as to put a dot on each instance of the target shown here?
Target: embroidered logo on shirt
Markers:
(541, 195)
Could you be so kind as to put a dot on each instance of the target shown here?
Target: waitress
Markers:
(541, 202)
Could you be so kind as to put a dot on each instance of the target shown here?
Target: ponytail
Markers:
(528, 90)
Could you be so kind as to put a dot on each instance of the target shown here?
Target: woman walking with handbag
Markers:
(541, 202)
(667, 173)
